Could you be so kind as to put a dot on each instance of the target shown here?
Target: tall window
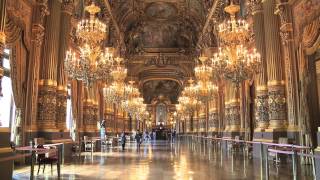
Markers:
(69, 117)
(7, 105)
(69, 109)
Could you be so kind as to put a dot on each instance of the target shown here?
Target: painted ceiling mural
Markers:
(156, 88)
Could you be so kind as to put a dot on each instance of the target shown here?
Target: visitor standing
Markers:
(123, 140)
(138, 139)
(154, 135)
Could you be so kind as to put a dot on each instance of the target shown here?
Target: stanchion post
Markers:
(261, 160)
(267, 163)
(58, 163)
(313, 165)
(294, 164)
(33, 156)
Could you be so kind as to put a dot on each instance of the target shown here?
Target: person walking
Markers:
(138, 139)
(123, 140)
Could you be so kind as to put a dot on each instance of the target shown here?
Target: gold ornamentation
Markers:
(47, 82)
(93, 64)
(235, 62)
(2, 38)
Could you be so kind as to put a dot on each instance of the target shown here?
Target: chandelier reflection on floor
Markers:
(93, 62)
(234, 60)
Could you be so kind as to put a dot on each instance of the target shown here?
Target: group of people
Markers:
(139, 138)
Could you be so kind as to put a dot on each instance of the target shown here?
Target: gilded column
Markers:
(234, 108)
(88, 114)
(65, 28)
(227, 107)
(2, 36)
(48, 72)
(286, 32)
(37, 36)
(215, 116)
(276, 84)
(261, 80)
(95, 118)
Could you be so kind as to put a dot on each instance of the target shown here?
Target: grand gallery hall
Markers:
(160, 89)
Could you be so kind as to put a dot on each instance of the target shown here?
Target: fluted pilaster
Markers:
(37, 36)
(48, 72)
(65, 28)
(276, 88)
(261, 80)
(227, 106)
(234, 108)
(283, 9)
(214, 116)
(88, 115)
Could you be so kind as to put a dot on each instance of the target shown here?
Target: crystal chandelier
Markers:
(203, 72)
(118, 72)
(133, 104)
(189, 101)
(234, 60)
(116, 92)
(205, 89)
(91, 62)
(131, 93)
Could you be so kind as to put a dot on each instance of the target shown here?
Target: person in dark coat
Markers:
(123, 140)
(138, 139)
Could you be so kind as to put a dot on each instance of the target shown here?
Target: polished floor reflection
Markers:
(164, 161)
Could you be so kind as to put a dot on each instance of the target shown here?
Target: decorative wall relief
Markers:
(304, 12)
(277, 105)
(262, 108)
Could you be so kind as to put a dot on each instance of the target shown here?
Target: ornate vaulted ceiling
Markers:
(159, 39)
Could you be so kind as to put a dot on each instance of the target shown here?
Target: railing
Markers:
(289, 149)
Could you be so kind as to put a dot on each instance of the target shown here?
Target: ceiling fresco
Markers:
(156, 88)
(161, 11)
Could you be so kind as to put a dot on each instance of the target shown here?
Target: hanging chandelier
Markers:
(205, 89)
(90, 63)
(188, 100)
(131, 93)
(234, 60)
(133, 104)
(116, 92)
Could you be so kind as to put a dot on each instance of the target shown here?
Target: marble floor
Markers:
(164, 161)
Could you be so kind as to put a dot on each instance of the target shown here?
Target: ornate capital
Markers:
(41, 11)
(283, 10)
(2, 38)
(255, 6)
(38, 34)
(67, 6)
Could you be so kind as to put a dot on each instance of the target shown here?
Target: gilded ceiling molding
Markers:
(116, 25)
(207, 23)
